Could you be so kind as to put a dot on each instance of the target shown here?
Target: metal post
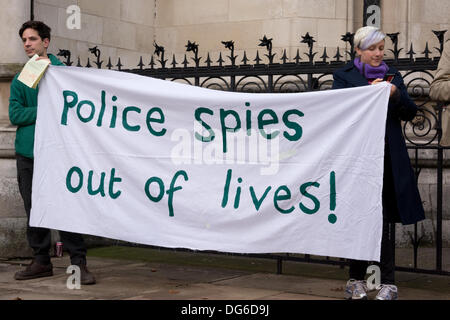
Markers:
(310, 82)
(392, 239)
(415, 246)
(31, 9)
(233, 83)
(279, 265)
(439, 198)
(270, 83)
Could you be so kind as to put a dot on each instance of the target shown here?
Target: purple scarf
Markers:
(370, 72)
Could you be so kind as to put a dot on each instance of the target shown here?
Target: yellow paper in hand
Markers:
(33, 71)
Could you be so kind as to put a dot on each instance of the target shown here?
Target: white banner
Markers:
(156, 162)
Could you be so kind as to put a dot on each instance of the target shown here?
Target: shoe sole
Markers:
(36, 276)
(357, 299)
(386, 299)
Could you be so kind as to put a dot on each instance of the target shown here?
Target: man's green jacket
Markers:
(23, 111)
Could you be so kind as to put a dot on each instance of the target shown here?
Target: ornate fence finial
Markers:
(426, 51)
(440, 36)
(411, 53)
(394, 39)
(338, 55)
(109, 65)
(220, 61)
(152, 63)
(257, 59)
(66, 54)
(297, 57)
(284, 58)
(310, 42)
(230, 45)
(119, 65)
(96, 52)
(349, 37)
(185, 61)
(159, 51)
(208, 61)
(174, 62)
(140, 64)
(192, 46)
(324, 56)
(264, 42)
(245, 59)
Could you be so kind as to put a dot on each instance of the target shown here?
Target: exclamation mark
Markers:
(332, 217)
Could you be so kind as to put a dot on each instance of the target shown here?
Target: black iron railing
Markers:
(307, 72)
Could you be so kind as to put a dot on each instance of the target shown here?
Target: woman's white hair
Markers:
(367, 36)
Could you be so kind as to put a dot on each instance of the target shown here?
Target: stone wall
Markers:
(120, 28)
(12, 214)
(12, 57)
(128, 28)
(246, 22)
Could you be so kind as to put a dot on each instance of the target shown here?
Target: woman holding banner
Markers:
(401, 198)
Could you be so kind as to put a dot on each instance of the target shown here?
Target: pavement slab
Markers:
(119, 279)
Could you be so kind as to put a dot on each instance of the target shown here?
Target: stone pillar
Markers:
(12, 57)
(12, 214)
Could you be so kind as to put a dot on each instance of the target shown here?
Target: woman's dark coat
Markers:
(401, 107)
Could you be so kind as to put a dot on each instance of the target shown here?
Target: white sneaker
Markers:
(387, 292)
(356, 290)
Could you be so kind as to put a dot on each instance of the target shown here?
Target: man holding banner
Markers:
(23, 103)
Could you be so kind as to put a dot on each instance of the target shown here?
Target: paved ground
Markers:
(183, 278)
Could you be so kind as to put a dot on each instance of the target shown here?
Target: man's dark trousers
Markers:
(39, 239)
